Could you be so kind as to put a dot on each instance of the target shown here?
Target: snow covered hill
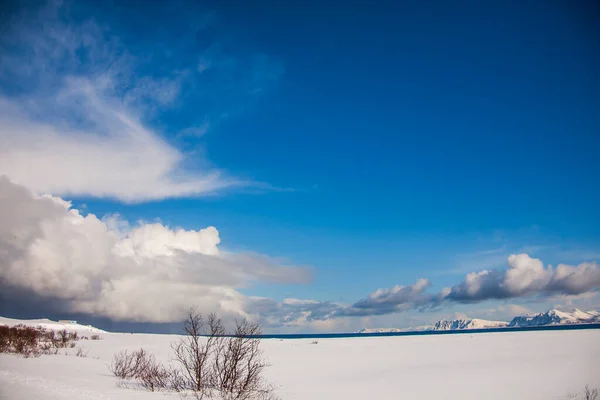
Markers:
(50, 325)
(471, 323)
(556, 317)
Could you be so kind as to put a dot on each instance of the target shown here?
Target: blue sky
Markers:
(374, 143)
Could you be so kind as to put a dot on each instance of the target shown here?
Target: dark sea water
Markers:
(423, 333)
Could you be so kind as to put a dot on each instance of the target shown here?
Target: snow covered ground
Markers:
(499, 365)
(51, 325)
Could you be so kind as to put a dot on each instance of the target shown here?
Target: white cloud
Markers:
(395, 299)
(526, 276)
(148, 272)
(75, 111)
(119, 157)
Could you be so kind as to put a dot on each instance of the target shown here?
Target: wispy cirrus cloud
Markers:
(81, 113)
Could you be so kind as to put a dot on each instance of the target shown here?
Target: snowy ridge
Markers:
(472, 323)
(556, 317)
(50, 325)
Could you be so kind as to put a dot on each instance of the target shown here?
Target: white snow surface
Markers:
(496, 365)
(50, 325)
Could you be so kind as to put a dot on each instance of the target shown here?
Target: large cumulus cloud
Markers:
(148, 272)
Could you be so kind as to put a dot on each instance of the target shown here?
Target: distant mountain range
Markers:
(552, 317)
(555, 317)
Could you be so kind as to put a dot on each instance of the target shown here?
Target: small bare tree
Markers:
(215, 362)
(238, 364)
(195, 350)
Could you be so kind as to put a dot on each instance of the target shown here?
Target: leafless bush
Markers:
(60, 339)
(66, 337)
(314, 342)
(154, 376)
(127, 365)
(95, 337)
(142, 366)
(590, 394)
(81, 352)
(32, 342)
(50, 351)
(20, 339)
(30, 352)
(177, 380)
(5, 339)
(238, 365)
(210, 362)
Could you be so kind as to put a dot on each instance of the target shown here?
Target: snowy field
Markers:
(503, 365)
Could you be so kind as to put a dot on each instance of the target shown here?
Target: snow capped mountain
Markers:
(389, 330)
(552, 317)
(471, 323)
(556, 317)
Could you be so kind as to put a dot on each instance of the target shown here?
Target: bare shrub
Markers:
(154, 376)
(81, 352)
(127, 365)
(50, 351)
(63, 336)
(238, 365)
(177, 380)
(590, 394)
(95, 337)
(32, 342)
(20, 339)
(142, 366)
(211, 362)
(314, 342)
(30, 352)
(5, 339)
